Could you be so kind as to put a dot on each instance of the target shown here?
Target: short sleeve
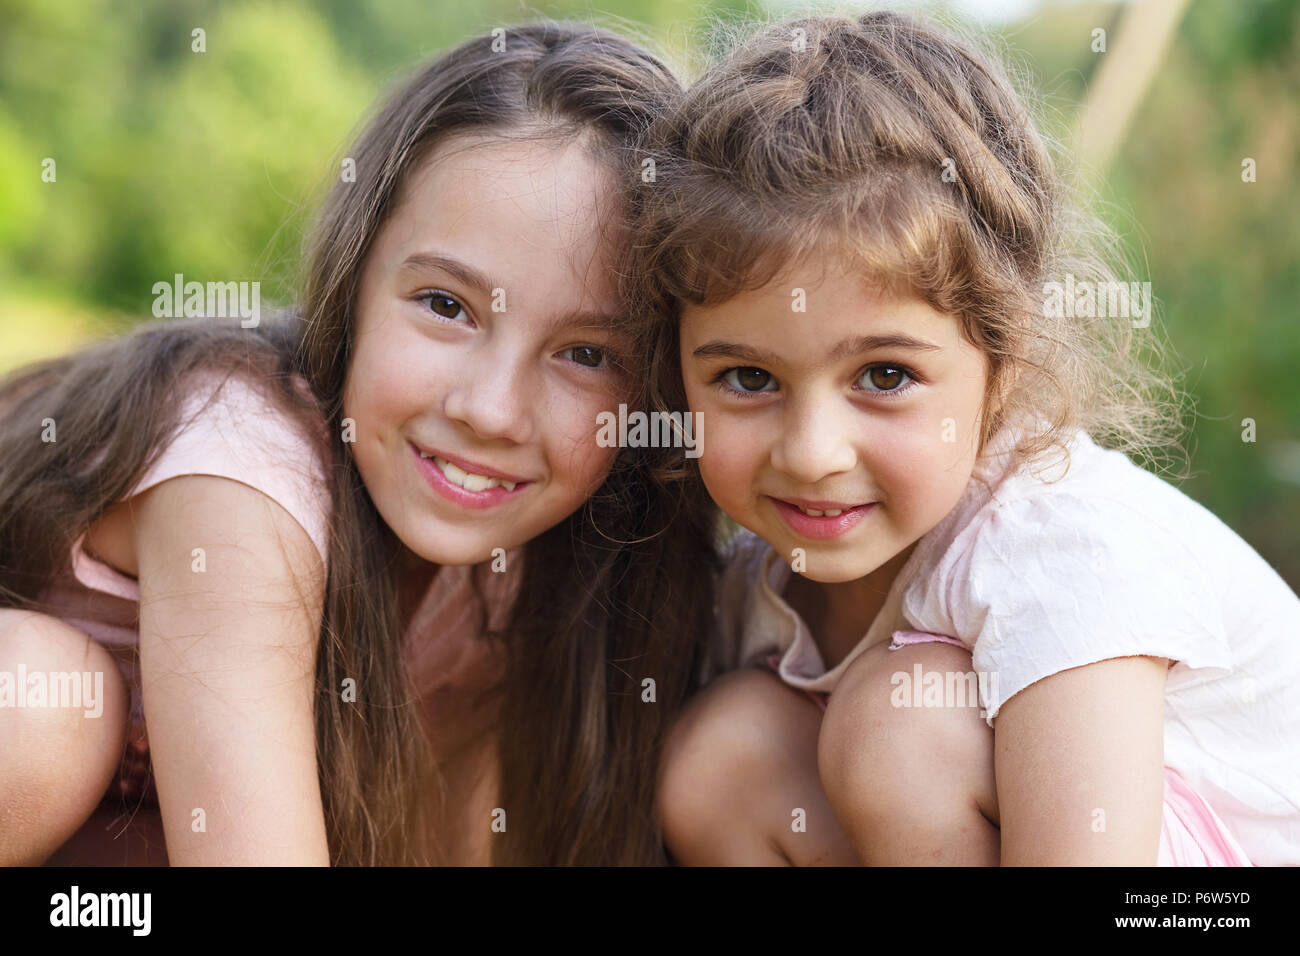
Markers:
(1058, 581)
(229, 428)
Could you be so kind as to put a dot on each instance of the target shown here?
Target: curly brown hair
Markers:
(907, 148)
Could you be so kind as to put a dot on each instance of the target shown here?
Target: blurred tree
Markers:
(210, 164)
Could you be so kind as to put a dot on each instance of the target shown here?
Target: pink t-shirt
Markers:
(228, 429)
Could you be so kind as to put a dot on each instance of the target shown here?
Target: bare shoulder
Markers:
(220, 533)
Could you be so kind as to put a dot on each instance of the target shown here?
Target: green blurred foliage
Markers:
(207, 164)
(210, 164)
(1223, 255)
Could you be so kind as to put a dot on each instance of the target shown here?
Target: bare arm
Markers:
(228, 666)
(1079, 761)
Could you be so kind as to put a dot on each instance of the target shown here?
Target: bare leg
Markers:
(55, 761)
(738, 781)
(911, 785)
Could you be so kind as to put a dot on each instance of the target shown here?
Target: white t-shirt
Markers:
(1077, 564)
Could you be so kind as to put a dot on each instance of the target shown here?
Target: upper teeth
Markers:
(819, 514)
(466, 479)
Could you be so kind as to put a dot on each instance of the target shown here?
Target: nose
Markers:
(815, 442)
(489, 393)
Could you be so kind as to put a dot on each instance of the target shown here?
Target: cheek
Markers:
(368, 388)
(581, 467)
(578, 462)
(730, 449)
(391, 377)
(370, 396)
(385, 389)
(900, 459)
(731, 457)
(923, 464)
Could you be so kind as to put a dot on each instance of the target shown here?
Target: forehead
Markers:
(772, 266)
(810, 310)
(829, 285)
(537, 214)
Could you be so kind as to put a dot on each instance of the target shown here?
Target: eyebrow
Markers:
(849, 347)
(461, 271)
(480, 281)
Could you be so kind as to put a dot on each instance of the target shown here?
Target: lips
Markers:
(820, 519)
(464, 482)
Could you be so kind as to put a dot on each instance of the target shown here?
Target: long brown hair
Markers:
(906, 147)
(615, 594)
(619, 591)
(114, 407)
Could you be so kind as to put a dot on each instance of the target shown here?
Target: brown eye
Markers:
(444, 305)
(885, 378)
(587, 355)
(751, 379)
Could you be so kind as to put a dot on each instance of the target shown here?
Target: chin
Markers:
(835, 573)
(452, 550)
(833, 568)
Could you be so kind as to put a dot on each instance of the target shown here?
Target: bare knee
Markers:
(62, 728)
(893, 754)
(729, 765)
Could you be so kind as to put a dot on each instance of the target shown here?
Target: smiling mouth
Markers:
(462, 481)
(820, 509)
(820, 519)
(820, 514)
(468, 479)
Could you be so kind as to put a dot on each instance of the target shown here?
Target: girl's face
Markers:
(865, 408)
(481, 355)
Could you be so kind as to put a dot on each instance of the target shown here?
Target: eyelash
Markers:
(606, 357)
(720, 380)
(426, 295)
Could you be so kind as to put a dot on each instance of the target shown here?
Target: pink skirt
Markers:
(1191, 833)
